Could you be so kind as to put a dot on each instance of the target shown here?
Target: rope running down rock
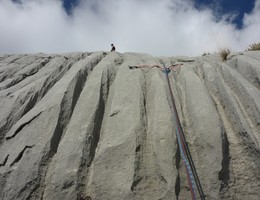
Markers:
(192, 175)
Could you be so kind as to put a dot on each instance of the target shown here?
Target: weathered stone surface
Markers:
(84, 124)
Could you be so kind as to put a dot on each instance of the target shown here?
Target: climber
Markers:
(113, 47)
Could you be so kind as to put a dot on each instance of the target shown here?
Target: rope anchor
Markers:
(165, 70)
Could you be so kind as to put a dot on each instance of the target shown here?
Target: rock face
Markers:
(85, 126)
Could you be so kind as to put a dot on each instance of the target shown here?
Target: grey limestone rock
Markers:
(85, 126)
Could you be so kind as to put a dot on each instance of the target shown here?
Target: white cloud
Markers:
(165, 27)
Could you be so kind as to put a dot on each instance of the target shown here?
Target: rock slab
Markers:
(85, 126)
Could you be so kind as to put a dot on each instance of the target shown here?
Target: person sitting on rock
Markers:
(113, 48)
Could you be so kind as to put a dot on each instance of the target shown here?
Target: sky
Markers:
(156, 27)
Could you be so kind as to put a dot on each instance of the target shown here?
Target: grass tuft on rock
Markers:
(254, 47)
(224, 53)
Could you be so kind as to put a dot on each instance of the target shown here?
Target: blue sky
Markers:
(220, 8)
(223, 7)
(157, 27)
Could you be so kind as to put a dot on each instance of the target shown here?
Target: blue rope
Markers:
(187, 164)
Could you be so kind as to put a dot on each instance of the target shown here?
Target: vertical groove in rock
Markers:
(224, 173)
(140, 152)
(239, 163)
(140, 149)
(239, 156)
(245, 95)
(92, 142)
(137, 178)
(150, 180)
(255, 138)
(89, 154)
(67, 106)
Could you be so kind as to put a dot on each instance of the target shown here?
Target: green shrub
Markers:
(254, 47)
(224, 53)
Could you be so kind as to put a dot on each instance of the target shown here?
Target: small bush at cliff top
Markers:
(254, 47)
(224, 53)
